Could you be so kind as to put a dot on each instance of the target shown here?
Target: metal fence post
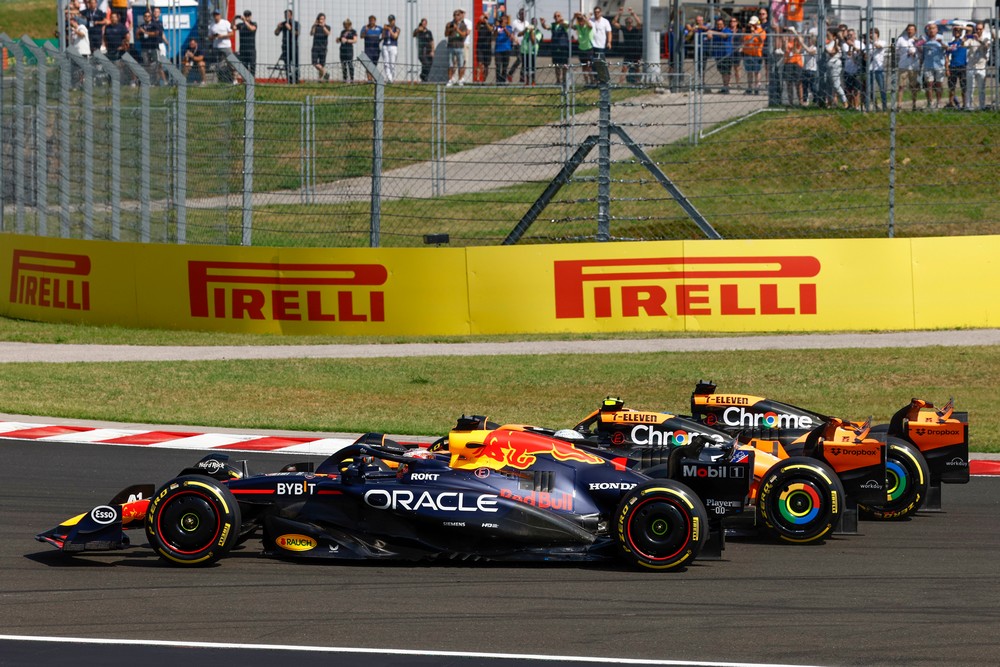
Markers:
(65, 84)
(114, 74)
(88, 143)
(604, 152)
(18, 157)
(140, 73)
(41, 136)
(374, 232)
(249, 84)
(893, 109)
(180, 147)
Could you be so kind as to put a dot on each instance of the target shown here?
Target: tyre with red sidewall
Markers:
(907, 477)
(192, 521)
(799, 500)
(660, 525)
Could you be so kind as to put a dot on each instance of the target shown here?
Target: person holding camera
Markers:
(347, 39)
(320, 32)
(390, 48)
(584, 45)
(372, 36)
(978, 44)
(425, 49)
(958, 60)
(455, 32)
(288, 30)
(246, 28)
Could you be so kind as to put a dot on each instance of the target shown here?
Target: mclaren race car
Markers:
(799, 494)
(926, 446)
(520, 496)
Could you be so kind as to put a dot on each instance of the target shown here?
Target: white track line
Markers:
(375, 651)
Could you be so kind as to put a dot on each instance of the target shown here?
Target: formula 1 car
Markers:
(926, 446)
(799, 496)
(523, 496)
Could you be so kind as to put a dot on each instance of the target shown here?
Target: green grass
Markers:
(425, 395)
(35, 18)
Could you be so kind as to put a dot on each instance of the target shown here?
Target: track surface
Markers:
(918, 592)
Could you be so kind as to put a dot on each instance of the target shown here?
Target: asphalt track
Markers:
(921, 592)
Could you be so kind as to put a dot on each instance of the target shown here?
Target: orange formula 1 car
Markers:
(926, 446)
(797, 495)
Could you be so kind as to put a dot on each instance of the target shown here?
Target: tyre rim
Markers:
(659, 529)
(188, 523)
(799, 503)
(896, 478)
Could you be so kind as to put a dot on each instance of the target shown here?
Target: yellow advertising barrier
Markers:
(785, 285)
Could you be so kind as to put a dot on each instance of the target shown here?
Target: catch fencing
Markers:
(113, 150)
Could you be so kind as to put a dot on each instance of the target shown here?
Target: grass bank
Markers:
(425, 395)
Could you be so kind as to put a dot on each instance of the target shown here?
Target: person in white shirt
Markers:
(909, 64)
(79, 38)
(875, 48)
(221, 32)
(978, 45)
(467, 77)
(602, 34)
(517, 25)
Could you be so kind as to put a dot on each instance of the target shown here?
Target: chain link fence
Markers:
(112, 150)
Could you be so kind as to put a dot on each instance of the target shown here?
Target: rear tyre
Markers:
(907, 476)
(660, 525)
(799, 500)
(193, 520)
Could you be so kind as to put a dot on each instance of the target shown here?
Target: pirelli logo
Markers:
(50, 280)
(679, 286)
(275, 291)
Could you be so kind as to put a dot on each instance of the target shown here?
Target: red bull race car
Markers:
(926, 446)
(518, 495)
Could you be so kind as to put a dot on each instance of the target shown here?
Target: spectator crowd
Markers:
(844, 69)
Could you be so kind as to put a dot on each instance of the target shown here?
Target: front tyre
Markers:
(907, 476)
(799, 500)
(660, 525)
(193, 520)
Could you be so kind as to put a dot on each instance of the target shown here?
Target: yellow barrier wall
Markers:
(801, 285)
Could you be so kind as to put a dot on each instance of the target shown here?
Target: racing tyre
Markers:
(661, 525)
(193, 520)
(799, 500)
(907, 476)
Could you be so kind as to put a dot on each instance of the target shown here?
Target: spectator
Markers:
(193, 57)
(933, 65)
(517, 25)
(978, 46)
(467, 46)
(320, 32)
(753, 55)
(484, 48)
(504, 45)
(531, 38)
(584, 45)
(876, 65)
(246, 28)
(852, 56)
(559, 45)
(149, 36)
(834, 68)
(115, 38)
(347, 39)
(810, 67)
(288, 30)
(734, 25)
(696, 36)
(908, 62)
(221, 32)
(795, 15)
(793, 61)
(632, 44)
(371, 34)
(455, 32)
(96, 20)
(425, 49)
(958, 59)
(120, 7)
(720, 44)
(602, 38)
(390, 48)
(79, 39)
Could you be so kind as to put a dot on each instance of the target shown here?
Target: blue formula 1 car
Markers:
(523, 496)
